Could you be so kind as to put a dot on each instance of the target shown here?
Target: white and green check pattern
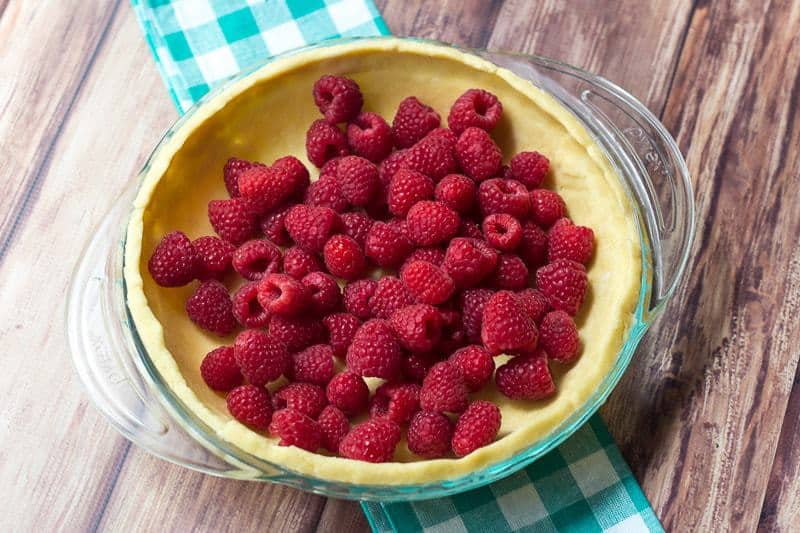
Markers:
(582, 486)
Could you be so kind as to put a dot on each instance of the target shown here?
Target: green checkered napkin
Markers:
(584, 485)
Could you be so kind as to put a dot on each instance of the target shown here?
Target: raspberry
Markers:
(281, 294)
(375, 351)
(473, 302)
(506, 327)
(313, 365)
(432, 255)
(246, 308)
(310, 227)
(510, 273)
(390, 166)
(356, 226)
(429, 434)
(418, 327)
(476, 428)
(330, 167)
(210, 308)
(563, 283)
(427, 282)
(341, 329)
(257, 258)
(219, 369)
(457, 192)
(412, 122)
(260, 357)
(470, 230)
(344, 257)
(498, 195)
(348, 392)
(526, 377)
(502, 231)
(251, 406)
(338, 98)
(386, 246)
(274, 227)
(406, 189)
(233, 168)
(475, 108)
(400, 225)
(370, 137)
(565, 240)
(296, 332)
(324, 142)
(505, 173)
(358, 180)
(546, 207)
(443, 389)
(298, 263)
(357, 295)
(469, 261)
(444, 133)
(175, 261)
(323, 291)
(534, 303)
(373, 441)
(476, 365)
(453, 334)
(325, 192)
(234, 220)
(304, 398)
(558, 336)
(269, 187)
(478, 155)
(529, 168)
(533, 246)
(397, 402)
(295, 175)
(296, 429)
(416, 366)
(215, 255)
(390, 295)
(433, 156)
(334, 426)
(431, 223)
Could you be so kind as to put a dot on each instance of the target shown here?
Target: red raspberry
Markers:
(565, 240)
(476, 365)
(296, 429)
(334, 426)
(444, 133)
(429, 434)
(533, 247)
(453, 334)
(268, 187)
(406, 189)
(470, 230)
(478, 155)
(251, 406)
(325, 192)
(427, 282)
(529, 168)
(412, 122)
(311, 227)
(257, 258)
(348, 392)
(390, 295)
(475, 108)
(373, 441)
(344, 257)
(457, 192)
(274, 227)
(210, 308)
(431, 254)
(356, 226)
(473, 301)
(431, 223)
(233, 168)
(534, 303)
(386, 246)
(476, 428)
(400, 225)
(246, 308)
(296, 332)
(375, 351)
(506, 327)
(313, 365)
(234, 220)
(498, 195)
(546, 207)
(432, 156)
(357, 295)
(390, 165)
(505, 173)
(469, 261)
(298, 263)
(341, 329)
(358, 180)
(281, 294)
(175, 261)
(304, 398)
(418, 327)
(563, 282)
(260, 357)
(502, 231)
(443, 389)
(324, 142)
(558, 336)
(396, 401)
(510, 273)
(338, 98)
(330, 167)
(416, 366)
(219, 369)
(295, 175)
(526, 377)
(215, 255)
(369, 136)
(325, 294)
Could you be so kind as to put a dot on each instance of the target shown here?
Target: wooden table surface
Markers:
(708, 414)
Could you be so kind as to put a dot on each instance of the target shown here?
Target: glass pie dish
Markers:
(113, 361)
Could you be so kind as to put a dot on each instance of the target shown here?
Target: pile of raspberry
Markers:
(416, 257)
